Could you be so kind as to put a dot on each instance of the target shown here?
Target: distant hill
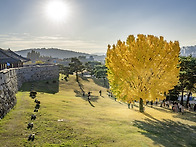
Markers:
(60, 53)
(53, 52)
(188, 50)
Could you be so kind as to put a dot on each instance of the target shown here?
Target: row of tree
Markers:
(35, 56)
(187, 80)
(93, 67)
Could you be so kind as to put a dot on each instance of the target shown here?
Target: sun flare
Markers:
(57, 10)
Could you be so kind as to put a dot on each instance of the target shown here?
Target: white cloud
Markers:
(25, 41)
(188, 43)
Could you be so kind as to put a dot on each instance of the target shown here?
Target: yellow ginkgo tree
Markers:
(143, 68)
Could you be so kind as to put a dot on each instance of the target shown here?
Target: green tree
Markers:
(63, 69)
(187, 76)
(76, 66)
(90, 66)
(33, 55)
(191, 85)
(173, 93)
(101, 72)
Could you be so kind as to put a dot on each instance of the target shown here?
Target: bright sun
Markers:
(57, 10)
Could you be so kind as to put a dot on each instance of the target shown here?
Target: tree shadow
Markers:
(186, 116)
(94, 98)
(101, 82)
(167, 132)
(81, 85)
(150, 116)
(82, 94)
(134, 105)
(85, 97)
(91, 103)
(120, 102)
(78, 93)
(84, 78)
(46, 86)
(163, 109)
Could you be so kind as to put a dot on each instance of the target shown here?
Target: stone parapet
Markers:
(12, 79)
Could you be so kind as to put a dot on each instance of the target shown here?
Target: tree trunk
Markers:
(141, 105)
(187, 101)
(76, 76)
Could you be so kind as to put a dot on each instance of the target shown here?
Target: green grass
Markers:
(103, 122)
(47, 86)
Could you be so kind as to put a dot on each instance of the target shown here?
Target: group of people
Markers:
(89, 94)
(177, 107)
(194, 107)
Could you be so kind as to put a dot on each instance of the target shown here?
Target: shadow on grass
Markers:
(186, 116)
(163, 109)
(81, 86)
(168, 132)
(134, 105)
(46, 86)
(150, 116)
(92, 98)
(91, 103)
(84, 78)
(80, 94)
(101, 82)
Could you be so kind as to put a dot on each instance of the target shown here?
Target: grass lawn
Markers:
(66, 118)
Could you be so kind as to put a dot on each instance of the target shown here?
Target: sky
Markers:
(90, 25)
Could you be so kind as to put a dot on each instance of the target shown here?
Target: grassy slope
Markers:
(104, 122)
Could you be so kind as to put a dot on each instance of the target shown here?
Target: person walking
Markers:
(89, 94)
(100, 92)
(195, 107)
(151, 103)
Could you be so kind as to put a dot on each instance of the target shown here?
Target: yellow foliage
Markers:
(143, 67)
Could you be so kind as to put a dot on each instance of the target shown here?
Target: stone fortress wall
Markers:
(12, 79)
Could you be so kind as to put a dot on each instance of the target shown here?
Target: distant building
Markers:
(9, 59)
(188, 50)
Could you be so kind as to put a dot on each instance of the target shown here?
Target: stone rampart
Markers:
(12, 79)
